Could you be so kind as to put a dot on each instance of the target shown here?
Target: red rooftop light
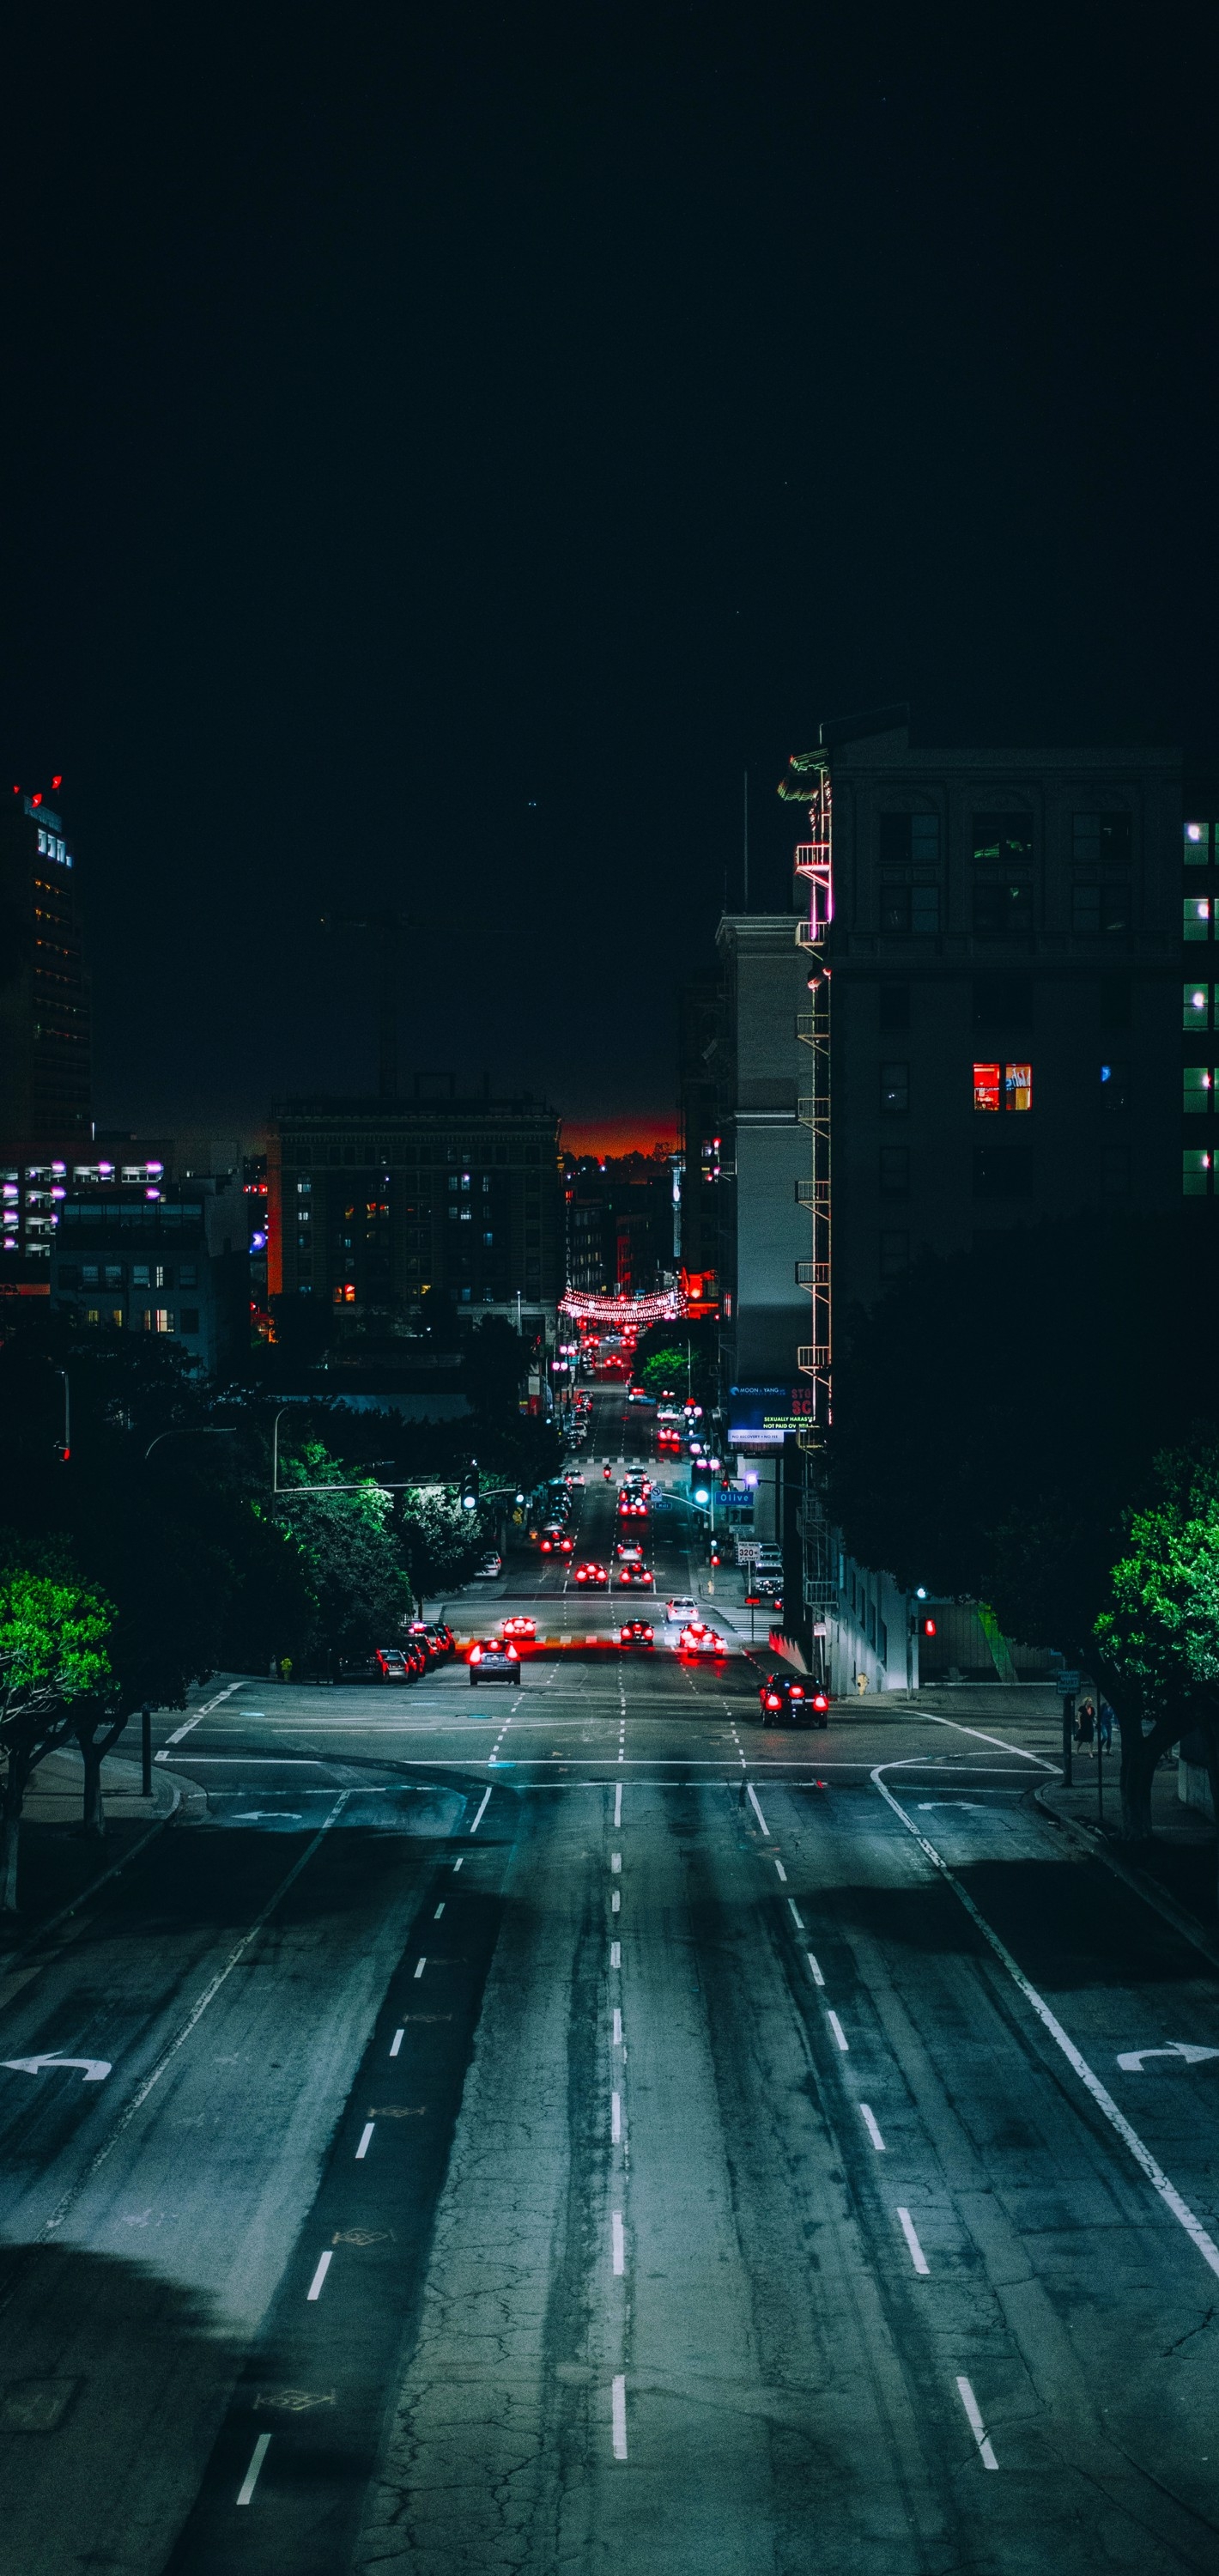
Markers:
(58, 782)
(36, 800)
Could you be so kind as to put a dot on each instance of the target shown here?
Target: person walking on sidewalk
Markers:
(1085, 1726)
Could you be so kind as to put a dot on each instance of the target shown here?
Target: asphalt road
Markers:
(567, 2128)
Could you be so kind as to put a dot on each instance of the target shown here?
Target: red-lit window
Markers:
(1003, 1086)
(986, 1086)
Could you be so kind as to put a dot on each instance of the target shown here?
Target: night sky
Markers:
(444, 448)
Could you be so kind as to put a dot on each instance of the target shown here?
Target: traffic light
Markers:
(469, 1487)
(62, 1452)
(928, 1627)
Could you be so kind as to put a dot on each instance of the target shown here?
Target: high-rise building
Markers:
(44, 998)
(375, 1205)
(620, 1224)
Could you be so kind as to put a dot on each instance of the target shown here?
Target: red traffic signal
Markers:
(929, 1627)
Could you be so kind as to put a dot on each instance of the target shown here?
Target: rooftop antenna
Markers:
(746, 906)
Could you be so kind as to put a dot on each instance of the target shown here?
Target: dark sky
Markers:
(443, 447)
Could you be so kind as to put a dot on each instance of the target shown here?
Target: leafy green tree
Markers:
(355, 1570)
(1158, 1634)
(442, 1543)
(54, 1637)
(664, 1370)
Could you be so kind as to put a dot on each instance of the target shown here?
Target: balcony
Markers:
(809, 934)
(813, 1275)
(811, 857)
(813, 1359)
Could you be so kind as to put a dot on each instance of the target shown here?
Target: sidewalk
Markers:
(55, 1793)
(1179, 1863)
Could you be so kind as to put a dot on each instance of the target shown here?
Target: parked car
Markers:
(392, 1664)
(494, 1659)
(422, 1633)
(491, 1565)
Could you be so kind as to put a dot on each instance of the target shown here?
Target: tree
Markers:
(1158, 1634)
(442, 1543)
(54, 1636)
(355, 1571)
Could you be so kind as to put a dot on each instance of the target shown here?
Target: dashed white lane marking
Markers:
(365, 2141)
(457, 1863)
(420, 1965)
(439, 1911)
(976, 2425)
(1143, 2157)
(206, 1711)
(756, 1809)
(315, 2286)
(396, 2042)
(917, 2256)
(245, 2491)
(618, 2241)
(617, 2028)
(615, 1954)
(615, 1902)
(838, 2031)
(779, 1866)
(869, 2120)
(618, 1803)
(818, 1979)
(797, 1918)
(620, 2417)
(479, 1817)
(616, 2118)
(615, 1862)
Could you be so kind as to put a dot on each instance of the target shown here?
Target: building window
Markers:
(1005, 838)
(894, 1171)
(92, 1315)
(141, 1276)
(1196, 917)
(914, 908)
(190, 1319)
(1199, 1087)
(1195, 1171)
(1196, 844)
(188, 1275)
(894, 1007)
(1003, 1086)
(1115, 1086)
(1115, 1171)
(1101, 840)
(894, 1089)
(882, 1646)
(89, 1275)
(1196, 1006)
(894, 1254)
(165, 1321)
(1003, 1002)
(1004, 911)
(909, 840)
(1099, 911)
(1003, 1165)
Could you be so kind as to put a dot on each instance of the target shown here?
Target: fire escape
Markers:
(808, 781)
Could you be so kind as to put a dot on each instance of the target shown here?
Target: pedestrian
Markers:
(861, 1684)
(1085, 1726)
(285, 1670)
(1104, 1726)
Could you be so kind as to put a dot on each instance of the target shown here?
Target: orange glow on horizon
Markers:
(604, 1136)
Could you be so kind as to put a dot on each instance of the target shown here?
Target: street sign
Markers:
(748, 1550)
(1066, 1683)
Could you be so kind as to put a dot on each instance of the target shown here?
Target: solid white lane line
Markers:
(420, 1965)
(976, 2425)
(869, 2120)
(246, 2489)
(1104, 2101)
(838, 2031)
(818, 1979)
(170, 2051)
(365, 2138)
(615, 1862)
(757, 1810)
(779, 1866)
(618, 1803)
(481, 1812)
(618, 2241)
(917, 2256)
(396, 2042)
(617, 2028)
(315, 2286)
(439, 1911)
(620, 2417)
(615, 1954)
(616, 2118)
(206, 1711)
(796, 1918)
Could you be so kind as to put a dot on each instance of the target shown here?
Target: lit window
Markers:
(1195, 1172)
(42, 843)
(165, 1321)
(986, 1086)
(1199, 1087)
(1196, 917)
(1196, 1006)
(465, 1180)
(1196, 836)
(1018, 1086)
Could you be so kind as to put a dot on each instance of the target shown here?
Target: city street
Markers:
(568, 2128)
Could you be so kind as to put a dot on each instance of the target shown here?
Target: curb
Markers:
(1088, 1839)
(13, 1958)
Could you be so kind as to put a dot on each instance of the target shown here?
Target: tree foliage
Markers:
(360, 1590)
(1157, 1634)
(54, 1654)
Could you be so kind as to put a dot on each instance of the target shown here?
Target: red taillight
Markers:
(820, 1701)
(795, 1694)
(476, 1654)
(773, 1701)
(513, 1656)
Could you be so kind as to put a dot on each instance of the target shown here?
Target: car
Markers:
(518, 1626)
(447, 1639)
(436, 1642)
(698, 1639)
(489, 1566)
(494, 1659)
(574, 1478)
(628, 1553)
(680, 1609)
(641, 1574)
(636, 1632)
(785, 1696)
(391, 1664)
(550, 1538)
(592, 1574)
